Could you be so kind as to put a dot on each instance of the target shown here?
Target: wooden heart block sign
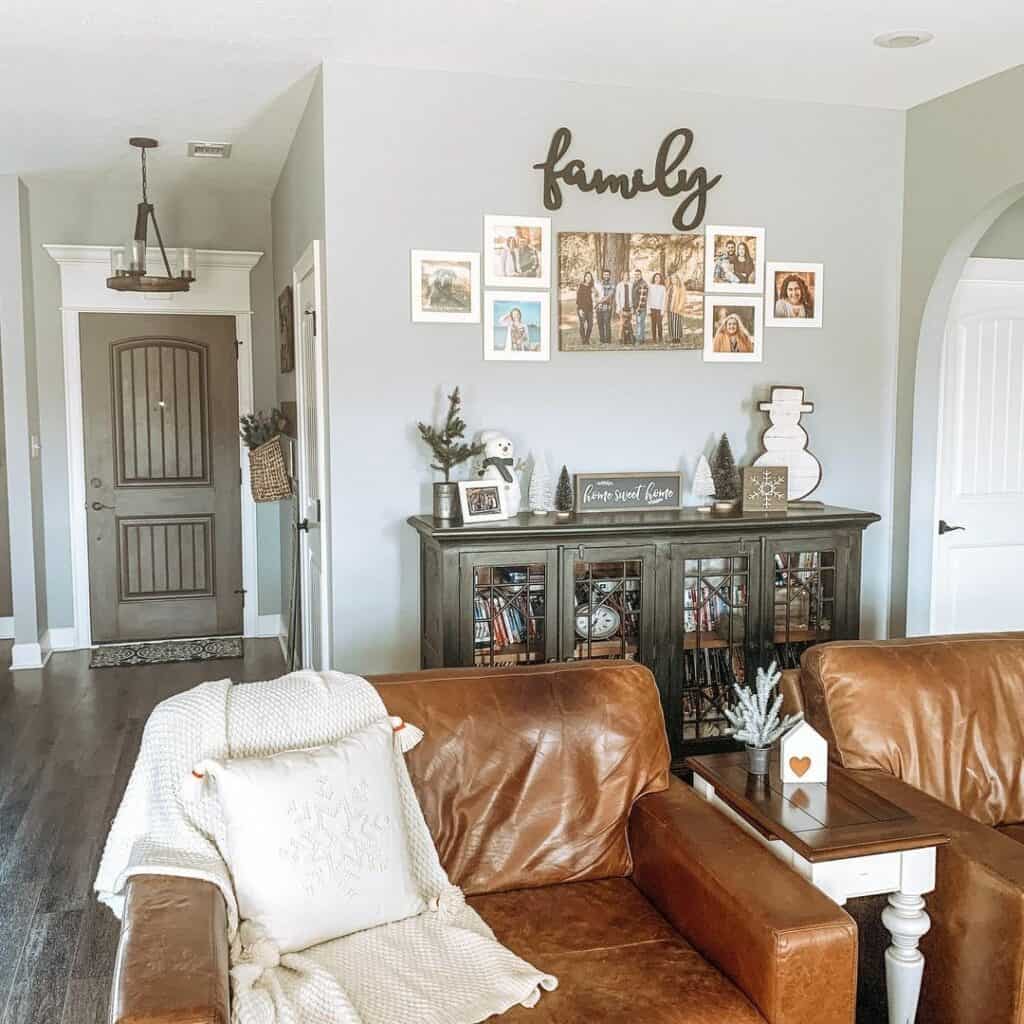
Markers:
(803, 755)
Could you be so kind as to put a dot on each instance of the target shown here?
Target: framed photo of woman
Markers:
(733, 329)
(517, 326)
(734, 260)
(517, 252)
(794, 294)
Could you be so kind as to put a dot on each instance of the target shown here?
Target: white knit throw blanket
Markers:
(443, 966)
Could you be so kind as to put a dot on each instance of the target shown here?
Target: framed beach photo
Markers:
(517, 252)
(482, 501)
(733, 259)
(733, 330)
(794, 294)
(445, 286)
(517, 326)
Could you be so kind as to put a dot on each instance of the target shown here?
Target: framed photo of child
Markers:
(734, 260)
(794, 294)
(517, 326)
(517, 252)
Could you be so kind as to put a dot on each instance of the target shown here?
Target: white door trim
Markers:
(311, 261)
(222, 288)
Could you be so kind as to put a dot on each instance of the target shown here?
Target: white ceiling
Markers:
(77, 77)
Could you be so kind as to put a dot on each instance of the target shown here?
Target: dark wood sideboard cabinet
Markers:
(700, 599)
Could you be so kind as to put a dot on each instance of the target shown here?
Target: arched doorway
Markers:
(924, 513)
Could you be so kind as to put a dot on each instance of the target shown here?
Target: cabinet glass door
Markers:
(608, 603)
(506, 608)
(711, 602)
(805, 606)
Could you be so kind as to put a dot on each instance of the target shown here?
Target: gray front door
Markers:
(160, 407)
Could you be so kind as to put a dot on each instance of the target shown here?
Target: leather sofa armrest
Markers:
(792, 693)
(172, 957)
(781, 941)
(974, 950)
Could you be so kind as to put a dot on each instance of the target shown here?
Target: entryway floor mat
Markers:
(155, 652)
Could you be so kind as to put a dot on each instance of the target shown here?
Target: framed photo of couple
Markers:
(517, 252)
(734, 260)
(794, 294)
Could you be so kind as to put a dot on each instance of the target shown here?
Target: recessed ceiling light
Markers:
(902, 40)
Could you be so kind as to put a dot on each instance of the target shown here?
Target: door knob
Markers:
(944, 527)
(98, 506)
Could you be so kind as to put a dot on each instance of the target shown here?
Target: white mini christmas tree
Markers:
(703, 481)
(541, 496)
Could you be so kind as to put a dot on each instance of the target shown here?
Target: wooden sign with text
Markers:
(628, 492)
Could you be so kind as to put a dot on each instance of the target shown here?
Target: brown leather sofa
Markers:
(936, 725)
(548, 794)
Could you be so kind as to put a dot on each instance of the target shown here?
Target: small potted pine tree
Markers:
(449, 451)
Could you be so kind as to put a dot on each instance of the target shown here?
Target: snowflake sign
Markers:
(765, 489)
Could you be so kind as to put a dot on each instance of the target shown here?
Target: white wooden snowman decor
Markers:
(785, 441)
(803, 755)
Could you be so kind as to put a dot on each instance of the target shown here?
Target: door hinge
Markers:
(312, 313)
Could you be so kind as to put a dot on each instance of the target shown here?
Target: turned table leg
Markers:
(906, 921)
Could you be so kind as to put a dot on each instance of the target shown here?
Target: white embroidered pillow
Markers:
(315, 839)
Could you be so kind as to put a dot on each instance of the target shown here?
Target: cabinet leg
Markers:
(906, 921)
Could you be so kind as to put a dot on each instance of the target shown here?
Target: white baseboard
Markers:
(61, 638)
(7, 627)
(28, 656)
(268, 625)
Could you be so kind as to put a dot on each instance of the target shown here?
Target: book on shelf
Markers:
(504, 619)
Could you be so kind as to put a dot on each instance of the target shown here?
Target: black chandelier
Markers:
(128, 263)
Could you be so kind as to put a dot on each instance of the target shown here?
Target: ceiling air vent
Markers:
(210, 150)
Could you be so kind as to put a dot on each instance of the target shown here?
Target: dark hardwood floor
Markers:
(68, 739)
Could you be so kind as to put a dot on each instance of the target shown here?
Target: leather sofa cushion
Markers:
(526, 777)
(616, 958)
(1015, 832)
(944, 714)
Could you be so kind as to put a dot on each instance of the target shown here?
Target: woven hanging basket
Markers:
(268, 475)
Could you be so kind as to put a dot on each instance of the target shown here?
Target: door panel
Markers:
(160, 412)
(978, 580)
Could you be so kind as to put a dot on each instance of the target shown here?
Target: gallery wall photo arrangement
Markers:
(620, 291)
(794, 294)
(517, 251)
(445, 286)
(734, 259)
(517, 326)
(733, 329)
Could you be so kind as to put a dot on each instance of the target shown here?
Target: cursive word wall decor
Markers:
(627, 492)
(671, 153)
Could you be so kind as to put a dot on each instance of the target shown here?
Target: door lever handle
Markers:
(944, 527)
(98, 506)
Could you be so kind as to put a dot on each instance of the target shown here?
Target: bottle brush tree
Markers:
(755, 717)
(724, 472)
(563, 493)
(448, 448)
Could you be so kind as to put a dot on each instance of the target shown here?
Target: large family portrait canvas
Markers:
(795, 294)
(630, 292)
(734, 260)
(517, 252)
(445, 286)
(733, 330)
(517, 326)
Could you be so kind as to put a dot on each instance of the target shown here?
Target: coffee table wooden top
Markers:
(820, 821)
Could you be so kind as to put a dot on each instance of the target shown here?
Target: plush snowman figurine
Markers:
(785, 441)
(499, 463)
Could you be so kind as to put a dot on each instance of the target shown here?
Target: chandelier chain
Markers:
(145, 180)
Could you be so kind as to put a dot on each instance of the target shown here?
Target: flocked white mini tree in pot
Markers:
(755, 718)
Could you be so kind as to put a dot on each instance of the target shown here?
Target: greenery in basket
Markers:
(447, 444)
(755, 717)
(260, 427)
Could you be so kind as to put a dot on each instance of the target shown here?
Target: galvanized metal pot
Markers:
(446, 502)
(757, 760)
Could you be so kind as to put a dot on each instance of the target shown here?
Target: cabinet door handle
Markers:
(944, 527)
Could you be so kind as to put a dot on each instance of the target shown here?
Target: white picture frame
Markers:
(748, 339)
(437, 282)
(500, 257)
(726, 276)
(777, 274)
(534, 313)
(482, 501)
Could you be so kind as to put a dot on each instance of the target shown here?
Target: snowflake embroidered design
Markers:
(334, 839)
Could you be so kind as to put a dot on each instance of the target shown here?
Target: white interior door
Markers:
(314, 592)
(978, 581)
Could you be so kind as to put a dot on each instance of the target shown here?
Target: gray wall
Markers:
(297, 215)
(62, 212)
(1005, 239)
(415, 159)
(964, 168)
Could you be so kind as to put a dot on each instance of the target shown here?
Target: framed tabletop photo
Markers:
(733, 259)
(517, 251)
(794, 294)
